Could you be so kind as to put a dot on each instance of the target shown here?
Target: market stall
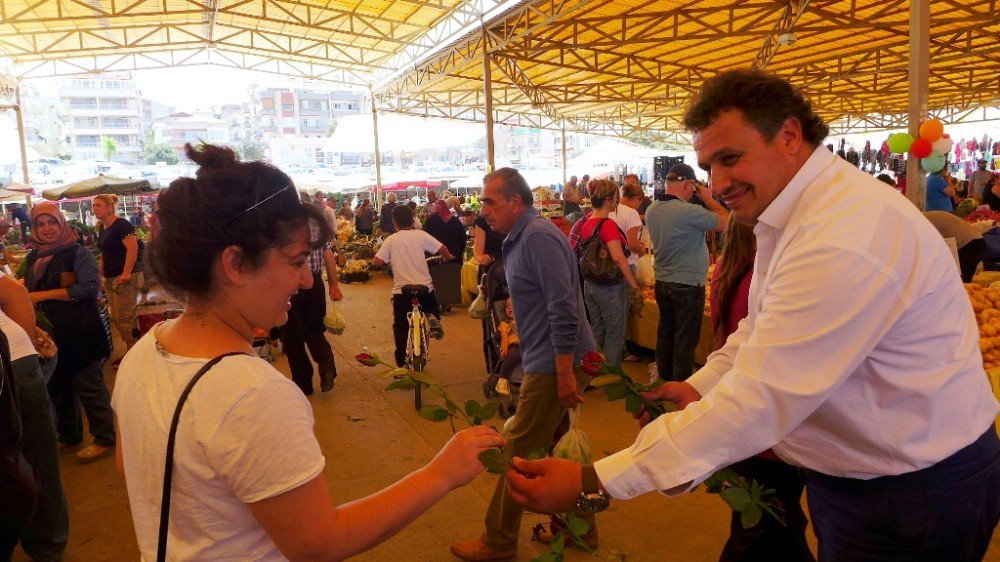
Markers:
(640, 329)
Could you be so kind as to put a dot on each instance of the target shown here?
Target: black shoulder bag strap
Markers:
(168, 469)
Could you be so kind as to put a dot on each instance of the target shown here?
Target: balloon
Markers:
(933, 163)
(943, 144)
(921, 148)
(900, 143)
(931, 130)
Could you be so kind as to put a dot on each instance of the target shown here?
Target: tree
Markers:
(250, 150)
(153, 152)
(109, 146)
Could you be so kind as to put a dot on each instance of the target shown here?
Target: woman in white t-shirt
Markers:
(247, 472)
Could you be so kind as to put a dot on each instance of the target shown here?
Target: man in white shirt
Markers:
(859, 360)
(405, 250)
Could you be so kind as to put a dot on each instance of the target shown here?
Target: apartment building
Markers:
(194, 128)
(108, 105)
(307, 112)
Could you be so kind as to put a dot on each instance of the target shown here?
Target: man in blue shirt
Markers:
(544, 285)
(940, 192)
(677, 229)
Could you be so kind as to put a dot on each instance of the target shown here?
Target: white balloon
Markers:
(943, 145)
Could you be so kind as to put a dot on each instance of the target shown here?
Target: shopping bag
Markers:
(644, 273)
(479, 309)
(334, 320)
(574, 444)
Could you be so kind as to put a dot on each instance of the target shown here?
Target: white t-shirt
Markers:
(245, 434)
(331, 219)
(627, 218)
(405, 251)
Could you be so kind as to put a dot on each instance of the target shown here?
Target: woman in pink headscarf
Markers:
(62, 280)
(447, 228)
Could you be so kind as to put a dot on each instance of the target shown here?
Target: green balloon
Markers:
(900, 143)
(933, 163)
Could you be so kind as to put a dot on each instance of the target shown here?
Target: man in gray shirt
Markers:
(979, 180)
(677, 229)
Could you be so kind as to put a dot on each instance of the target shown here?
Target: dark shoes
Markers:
(326, 381)
(434, 327)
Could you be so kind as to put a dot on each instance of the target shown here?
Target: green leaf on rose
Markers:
(578, 527)
(536, 454)
(737, 498)
(488, 410)
(398, 372)
(434, 413)
(558, 543)
(615, 391)
(632, 403)
(750, 516)
(405, 383)
(423, 377)
(493, 460)
(472, 408)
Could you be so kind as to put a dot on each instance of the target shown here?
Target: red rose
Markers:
(367, 359)
(593, 363)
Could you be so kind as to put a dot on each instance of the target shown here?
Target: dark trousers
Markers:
(947, 511)
(46, 535)
(769, 540)
(305, 329)
(401, 304)
(681, 310)
(969, 257)
(86, 386)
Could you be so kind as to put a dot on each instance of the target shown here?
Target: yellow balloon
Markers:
(931, 130)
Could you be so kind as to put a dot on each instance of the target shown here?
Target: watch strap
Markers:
(591, 483)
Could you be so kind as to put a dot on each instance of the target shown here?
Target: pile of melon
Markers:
(986, 305)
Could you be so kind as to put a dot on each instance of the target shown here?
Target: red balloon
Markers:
(921, 148)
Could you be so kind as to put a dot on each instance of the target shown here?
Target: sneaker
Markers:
(476, 550)
(503, 387)
(69, 448)
(326, 381)
(91, 453)
(435, 329)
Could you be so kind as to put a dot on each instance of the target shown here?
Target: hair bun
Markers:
(211, 156)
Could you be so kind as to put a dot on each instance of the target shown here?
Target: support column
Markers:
(378, 158)
(19, 109)
(565, 178)
(916, 180)
(488, 103)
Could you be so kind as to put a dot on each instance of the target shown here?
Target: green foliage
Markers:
(154, 152)
(109, 147)
(250, 150)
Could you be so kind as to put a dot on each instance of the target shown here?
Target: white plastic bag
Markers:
(334, 320)
(478, 309)
(574, 445)
(644, 273)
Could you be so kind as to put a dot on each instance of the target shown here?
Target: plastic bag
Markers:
(644, 273)
(574, 445)
(334, 320)
(479, 309)
(506, 426)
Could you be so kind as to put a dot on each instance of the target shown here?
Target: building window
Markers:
(88, 141)
(83, 103)
(288, 121)
(287, 107)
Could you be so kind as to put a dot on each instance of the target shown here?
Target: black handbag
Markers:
(596, 264)
(168, 469)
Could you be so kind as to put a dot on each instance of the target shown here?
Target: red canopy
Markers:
(404, 185)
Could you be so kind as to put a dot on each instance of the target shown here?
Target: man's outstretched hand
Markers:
(680, 393)
(549, 485)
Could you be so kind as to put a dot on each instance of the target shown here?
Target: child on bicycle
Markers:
(405, 251)
(510, 349)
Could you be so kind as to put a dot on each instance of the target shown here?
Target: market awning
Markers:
(96, 186)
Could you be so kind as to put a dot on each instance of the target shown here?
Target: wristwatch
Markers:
(592, 499)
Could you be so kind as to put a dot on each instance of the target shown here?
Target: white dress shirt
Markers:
(859, 358)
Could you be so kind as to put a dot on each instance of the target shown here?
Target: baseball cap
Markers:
(680, 172)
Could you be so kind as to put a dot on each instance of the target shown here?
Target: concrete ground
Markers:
(371, 438)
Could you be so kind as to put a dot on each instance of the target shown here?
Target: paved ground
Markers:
(371, 438)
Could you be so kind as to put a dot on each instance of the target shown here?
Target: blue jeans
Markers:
(46, 535)
(681, 310)
(607, 306)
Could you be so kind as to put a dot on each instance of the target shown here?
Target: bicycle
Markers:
(421, 326)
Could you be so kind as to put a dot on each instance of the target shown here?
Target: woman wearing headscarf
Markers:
(447, 228)
(63, 281)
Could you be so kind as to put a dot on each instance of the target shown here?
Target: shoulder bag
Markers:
(168, 469)
(596, 265)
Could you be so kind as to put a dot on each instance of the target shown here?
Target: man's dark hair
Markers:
(764, 100)
(511, 183)
(402, 215)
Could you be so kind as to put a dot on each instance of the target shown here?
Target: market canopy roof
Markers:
(96, 186)
(611, 67)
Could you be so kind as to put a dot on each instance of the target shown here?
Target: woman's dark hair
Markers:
(402, 215)
(252, 205)
(739, 246)
(632, 190)
(764, 100)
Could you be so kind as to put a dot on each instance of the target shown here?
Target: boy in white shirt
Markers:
(405, 251)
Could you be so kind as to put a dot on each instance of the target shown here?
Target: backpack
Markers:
(596, 264)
